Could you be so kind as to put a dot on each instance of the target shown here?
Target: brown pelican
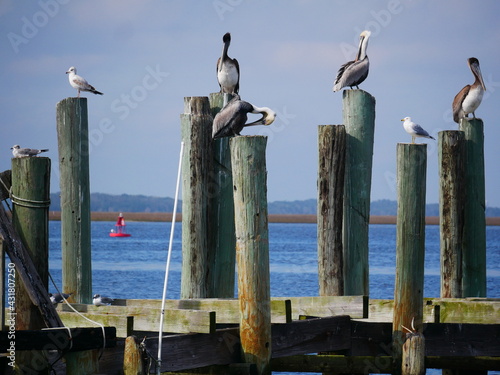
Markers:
(469, 98)
(352, 73)
(228, 70)
(80, 83)
(231, 119)
(19, 152)
(414, 130)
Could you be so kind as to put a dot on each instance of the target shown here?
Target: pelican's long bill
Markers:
(268, 116)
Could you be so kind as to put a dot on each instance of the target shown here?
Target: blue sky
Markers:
(146, 56)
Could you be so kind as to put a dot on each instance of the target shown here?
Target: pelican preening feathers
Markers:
(352, 73)
(415, 130)
(228, 70)
(232, 118)
(469, 98)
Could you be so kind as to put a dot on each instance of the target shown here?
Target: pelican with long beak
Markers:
(232, 118)
(354, 72)
(470, 97)
(228, 70)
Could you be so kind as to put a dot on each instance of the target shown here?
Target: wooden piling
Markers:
(474, 250)
(331, 142)
(252, 248)
(132, 358)
(223, 239)
(410, 243)
(73, 147)
(359, 121)
(30, 217)
(196, 133)
(413, 358)
(451, 160)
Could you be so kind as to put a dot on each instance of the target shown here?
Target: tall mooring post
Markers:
(410, 251)
(73, 146)
(452, 195)
(196, 133)
(30, 217)
(222, 236)
(474, 250)
(359, 121)
(252, 248)
(331, 144)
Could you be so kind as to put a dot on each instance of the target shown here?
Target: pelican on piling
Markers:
(414, 130)
(232, 118)
(470, 97)
(352, 73)
(228, 70)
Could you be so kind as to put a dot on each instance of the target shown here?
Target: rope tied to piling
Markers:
(29, 203)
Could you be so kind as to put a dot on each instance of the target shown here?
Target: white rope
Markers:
(83, 316)
(167, 267)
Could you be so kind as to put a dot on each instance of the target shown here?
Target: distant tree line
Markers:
(140, 203)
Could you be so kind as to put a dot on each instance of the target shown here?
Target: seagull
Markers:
(19, 152)
(98, 300)
(414, 130)
(58, 298)
(80, 83)
(352, 73)
(469, 98)
(228, 70)
(232, 118)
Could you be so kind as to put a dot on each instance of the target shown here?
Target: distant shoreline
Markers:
(273, 218)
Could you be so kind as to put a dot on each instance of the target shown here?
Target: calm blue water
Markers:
(134, 267)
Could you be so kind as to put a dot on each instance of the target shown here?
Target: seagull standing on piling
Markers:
(415, 130)
(80, 83)
(470, 97)
(99, 300)
(232, 118)
(354, 72)
(19, 152)
(228, 70)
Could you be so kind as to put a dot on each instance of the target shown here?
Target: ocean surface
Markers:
(134, 267)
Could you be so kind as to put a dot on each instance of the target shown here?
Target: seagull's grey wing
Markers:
(420, 131)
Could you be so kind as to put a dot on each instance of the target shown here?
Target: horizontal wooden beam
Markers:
(325, 306)
(78, 339)
(227, 309)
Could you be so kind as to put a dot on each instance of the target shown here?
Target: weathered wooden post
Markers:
(73, 146)
(196, 133)
(474, 250)
(30, 217)
(359, 121)
(410, 247)
(223, 239)
(252, 248)
(331, 142)
(451, 159)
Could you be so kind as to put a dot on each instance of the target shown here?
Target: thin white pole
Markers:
(167, 267)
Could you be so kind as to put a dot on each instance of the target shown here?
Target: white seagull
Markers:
(19, 152)
(58, 298)
(414, 130)
(80, 83)
(99, 300)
